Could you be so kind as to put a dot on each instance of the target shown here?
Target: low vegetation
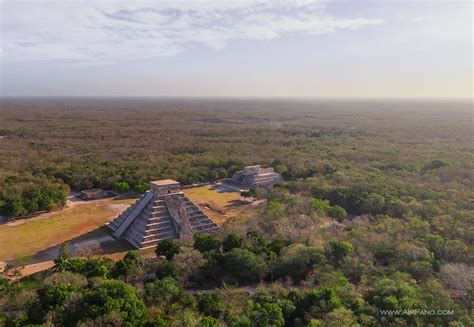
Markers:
(277, 283)
(21, 196)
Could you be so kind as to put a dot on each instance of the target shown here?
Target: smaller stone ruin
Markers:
(254, 176)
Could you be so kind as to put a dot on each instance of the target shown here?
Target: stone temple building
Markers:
(255, 176)
(163, 212)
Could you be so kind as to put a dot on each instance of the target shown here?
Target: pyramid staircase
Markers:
(159, 215)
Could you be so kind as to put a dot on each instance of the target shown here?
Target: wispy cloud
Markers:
(111, 31)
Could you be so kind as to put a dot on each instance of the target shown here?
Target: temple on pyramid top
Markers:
(165, 186)
(163, 212)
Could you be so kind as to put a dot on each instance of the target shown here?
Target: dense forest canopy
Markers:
(416, 149)
(277, 283)
(375, 212)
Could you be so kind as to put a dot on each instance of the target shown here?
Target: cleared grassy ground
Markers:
(33, 236)
(212, 194)
(218, 203)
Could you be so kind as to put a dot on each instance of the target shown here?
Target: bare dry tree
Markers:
(460, 277)
(88, 250)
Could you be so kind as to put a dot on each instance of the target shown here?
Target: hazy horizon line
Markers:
(131, 97)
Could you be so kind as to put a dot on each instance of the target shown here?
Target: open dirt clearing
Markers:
(52, 229)
(219, 203)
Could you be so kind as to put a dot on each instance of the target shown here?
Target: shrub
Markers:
(205, 242)
(210, 304)
(167, 248)
(231, 241)
(244, 265)
(297, 261)
(167, 269)
(337, 250)
(141, 187)
(121, 187)
(115, 296)
(337, 212)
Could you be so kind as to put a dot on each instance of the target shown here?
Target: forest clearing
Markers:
(219, 203)
(36, 240)
(52, 229)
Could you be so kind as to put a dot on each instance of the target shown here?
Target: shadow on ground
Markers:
(237, 203)
(222, 189)
(96, 242)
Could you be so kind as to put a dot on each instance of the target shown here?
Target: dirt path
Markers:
(36, 267)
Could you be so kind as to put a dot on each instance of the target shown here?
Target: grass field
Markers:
(219, 204)
(212, 194)
(30, 237)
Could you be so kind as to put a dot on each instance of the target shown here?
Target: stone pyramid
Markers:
(163, 212)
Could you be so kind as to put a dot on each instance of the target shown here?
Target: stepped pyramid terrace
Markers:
(253, 177)
(163, 212)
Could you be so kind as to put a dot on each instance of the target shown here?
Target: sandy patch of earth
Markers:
(36, 267)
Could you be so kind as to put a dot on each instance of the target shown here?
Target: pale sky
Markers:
(303, 48)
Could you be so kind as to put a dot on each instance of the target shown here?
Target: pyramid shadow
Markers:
(222, 189)
(99, 239)
(236, 204)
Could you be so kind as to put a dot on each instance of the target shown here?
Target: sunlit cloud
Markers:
(113, 31)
